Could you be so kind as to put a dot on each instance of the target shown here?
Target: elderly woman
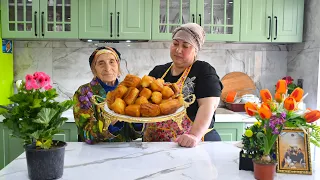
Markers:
(194, 77)
(105, 66)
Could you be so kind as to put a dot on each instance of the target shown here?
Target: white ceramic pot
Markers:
(249, 98)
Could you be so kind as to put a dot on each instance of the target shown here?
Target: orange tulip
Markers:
(264, 112)
(231, 96)
(281, 86)
(297, 94)
(266, 104)
(250, 108)
(278, 97)
(290, 104)
(265, 95)
(312, 116)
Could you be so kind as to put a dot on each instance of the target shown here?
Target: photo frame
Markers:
(293, 152)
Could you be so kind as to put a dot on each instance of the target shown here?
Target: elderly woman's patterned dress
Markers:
(90, 122)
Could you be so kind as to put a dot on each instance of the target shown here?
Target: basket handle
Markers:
(94, 100)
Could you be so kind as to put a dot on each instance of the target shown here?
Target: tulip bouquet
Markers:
(275, 113)
(35, 116)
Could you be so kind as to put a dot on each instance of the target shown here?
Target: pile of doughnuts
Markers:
(144, 97)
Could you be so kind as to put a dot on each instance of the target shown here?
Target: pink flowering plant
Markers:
(34, 115)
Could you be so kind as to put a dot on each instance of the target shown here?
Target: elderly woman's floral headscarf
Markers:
(104, 50)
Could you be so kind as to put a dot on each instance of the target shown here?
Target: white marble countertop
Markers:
(139, 161)
(222, 115)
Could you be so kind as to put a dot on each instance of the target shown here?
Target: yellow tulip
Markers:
(257, 123)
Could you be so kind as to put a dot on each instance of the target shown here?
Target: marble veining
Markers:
(139, 161)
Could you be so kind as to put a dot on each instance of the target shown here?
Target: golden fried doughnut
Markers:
(175, 88)
(131, 95)
(110, 98)
(167, 92)
(118, 106)
(149, 110)
(120, 91)
(169, 106)
(181, 99)
(146, 93)
(141, 100)
(133, 110)
(131, 81)
(156, 97)
(157, 85)
(146, 81)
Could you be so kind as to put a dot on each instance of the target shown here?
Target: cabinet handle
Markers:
(118, 18)
(193, 20)
(276, 28)
(42, 22)
(111, 24)
(269, 17)
(35, 23)
(200, 19)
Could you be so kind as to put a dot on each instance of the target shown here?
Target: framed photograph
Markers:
(293, 152)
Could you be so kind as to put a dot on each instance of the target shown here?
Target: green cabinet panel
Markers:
(256, 20)
(2, 162)
(59, 19)
(40, 19)
(220, 19)
(288, 20)
(133, 19)
(110, 19)
(20, 20)
(167, 15)
(12, 147)
(271, 20)
(230, 131)
(69, 134)
(97, 19)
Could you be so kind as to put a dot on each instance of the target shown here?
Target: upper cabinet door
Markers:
(256, 21)
(220, 19)
(97, 19)
(133, 19)
(288, 20)
(169, 14)
(59, 19)
(20, 19)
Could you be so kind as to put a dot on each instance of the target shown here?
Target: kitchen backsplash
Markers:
(67, 61)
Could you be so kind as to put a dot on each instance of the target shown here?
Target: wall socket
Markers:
(300, 83)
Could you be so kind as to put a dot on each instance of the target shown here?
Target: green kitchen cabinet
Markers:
(12, 147)
(271, 20)
(39, 19)
(219, 18)
(115, 19)
(230, 131)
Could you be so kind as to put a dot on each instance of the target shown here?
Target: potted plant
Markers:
(274, 114)
(35, 117)
(251, 147)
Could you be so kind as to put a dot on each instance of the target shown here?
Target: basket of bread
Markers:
(144, 100)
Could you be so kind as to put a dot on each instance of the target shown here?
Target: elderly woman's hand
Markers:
(188, 140)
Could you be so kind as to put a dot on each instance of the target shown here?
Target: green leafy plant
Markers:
(251, 146)
(35, 116)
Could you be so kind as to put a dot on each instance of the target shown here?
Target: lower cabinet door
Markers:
(230, 131)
